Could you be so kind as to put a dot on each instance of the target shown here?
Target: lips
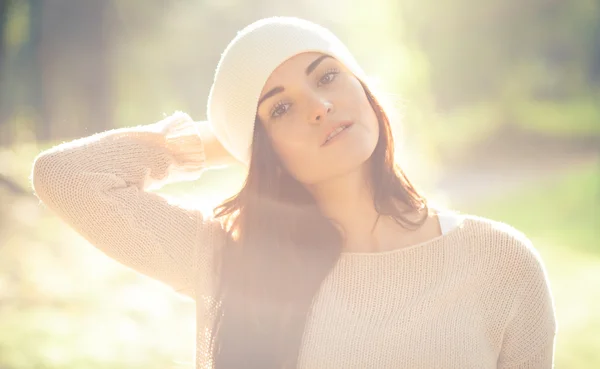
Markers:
(335, 130)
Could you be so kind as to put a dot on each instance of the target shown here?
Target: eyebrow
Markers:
(311, 67)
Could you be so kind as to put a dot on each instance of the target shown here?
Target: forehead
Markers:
(293, 66)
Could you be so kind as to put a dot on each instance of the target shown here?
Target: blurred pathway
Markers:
(474, 182)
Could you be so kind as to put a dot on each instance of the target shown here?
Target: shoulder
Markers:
(505, 262)
(515, 289)
(497, 235)
(503, 248)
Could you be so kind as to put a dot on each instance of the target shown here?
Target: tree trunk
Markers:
(4, 115)
(76, 71)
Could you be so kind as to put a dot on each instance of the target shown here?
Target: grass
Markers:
(562, 218)
(575, 118)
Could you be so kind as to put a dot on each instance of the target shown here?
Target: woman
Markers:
(328, 257)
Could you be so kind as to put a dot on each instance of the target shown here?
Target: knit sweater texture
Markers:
(475, 297)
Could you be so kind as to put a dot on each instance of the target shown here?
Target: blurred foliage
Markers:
(499, 104)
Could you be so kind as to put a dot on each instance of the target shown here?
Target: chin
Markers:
(355, 160)
(353, 154)
(349, 161)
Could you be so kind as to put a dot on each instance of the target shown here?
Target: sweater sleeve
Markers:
(529, 338)
(98, 185)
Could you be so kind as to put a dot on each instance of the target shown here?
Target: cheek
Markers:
(371, 118)
(359, 103)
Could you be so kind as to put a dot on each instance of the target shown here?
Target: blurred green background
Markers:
(499, 116)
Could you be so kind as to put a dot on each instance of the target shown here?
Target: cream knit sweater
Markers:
(476, 297)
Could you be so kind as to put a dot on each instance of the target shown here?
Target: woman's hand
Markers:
(185, 140)
(216, 154)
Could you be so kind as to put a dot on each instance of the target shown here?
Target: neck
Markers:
(348, 201)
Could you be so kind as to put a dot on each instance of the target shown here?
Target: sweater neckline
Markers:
(432, 241)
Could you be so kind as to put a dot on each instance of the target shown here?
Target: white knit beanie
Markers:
(246, 64)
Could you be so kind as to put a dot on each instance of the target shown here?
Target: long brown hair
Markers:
(281, 249)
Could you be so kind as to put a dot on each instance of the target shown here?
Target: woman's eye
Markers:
(279, 110)
(329, 77)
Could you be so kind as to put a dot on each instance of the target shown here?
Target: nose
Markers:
(320, 110)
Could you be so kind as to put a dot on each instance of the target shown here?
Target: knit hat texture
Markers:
(246, 64)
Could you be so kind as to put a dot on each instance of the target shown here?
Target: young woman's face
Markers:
(318, 117)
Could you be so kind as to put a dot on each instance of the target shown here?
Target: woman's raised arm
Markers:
(98, 185)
